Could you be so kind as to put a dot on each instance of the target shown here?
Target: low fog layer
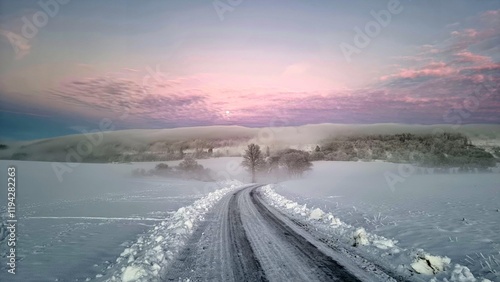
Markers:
(222, 140)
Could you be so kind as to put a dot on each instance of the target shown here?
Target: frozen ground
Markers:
(452, 215)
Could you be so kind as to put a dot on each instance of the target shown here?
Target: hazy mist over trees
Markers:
(283, 164)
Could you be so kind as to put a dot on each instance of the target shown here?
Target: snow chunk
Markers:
(333, 220)
(188, 224)
(133, 273)
(126, 252)
(360, 237)
(316, 214)
(430, 265)
(462, 274)
(384, 244)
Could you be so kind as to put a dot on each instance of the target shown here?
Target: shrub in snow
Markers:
(360, 237)
(139, 172)
(190, 169)
(296, 162)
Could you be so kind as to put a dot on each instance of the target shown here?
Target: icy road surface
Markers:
(244, 239)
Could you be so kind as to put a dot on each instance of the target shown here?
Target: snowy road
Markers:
(243, 239)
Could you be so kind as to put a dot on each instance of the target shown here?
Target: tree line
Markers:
(429, 150)
(189, 168)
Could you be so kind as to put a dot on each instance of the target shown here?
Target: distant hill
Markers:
(169, 144)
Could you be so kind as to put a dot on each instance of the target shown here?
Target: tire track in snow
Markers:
(218, 250)
(242, 240)
(326, 269)
(246, 267)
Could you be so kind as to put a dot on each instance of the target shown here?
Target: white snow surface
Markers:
(449, 214)
(151, 253)
(423, 263)
(75, 229)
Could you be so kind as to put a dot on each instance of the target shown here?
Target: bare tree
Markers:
(253, 159)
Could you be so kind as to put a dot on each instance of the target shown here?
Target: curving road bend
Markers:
(243, 239)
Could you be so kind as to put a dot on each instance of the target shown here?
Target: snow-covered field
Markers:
(100, 222)
(448, 215)
(75, 229)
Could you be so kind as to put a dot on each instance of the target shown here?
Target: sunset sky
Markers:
(164, 64)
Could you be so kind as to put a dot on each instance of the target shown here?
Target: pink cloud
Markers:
(483, 68)
(468, 57)
(466, 33)
(456, 61)
(436, 69)
(491, 17)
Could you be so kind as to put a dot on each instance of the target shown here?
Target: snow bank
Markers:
(145, 259)
(358, 236)
(415, 261)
